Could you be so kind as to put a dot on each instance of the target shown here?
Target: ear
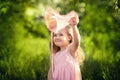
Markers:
(69, 38)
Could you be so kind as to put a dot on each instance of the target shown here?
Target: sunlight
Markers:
(29, 11)
(41, 8)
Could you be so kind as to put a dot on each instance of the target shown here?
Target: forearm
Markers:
(76, 36)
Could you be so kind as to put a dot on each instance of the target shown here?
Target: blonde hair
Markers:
(79, 52)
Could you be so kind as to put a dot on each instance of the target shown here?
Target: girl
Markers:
(65, 40)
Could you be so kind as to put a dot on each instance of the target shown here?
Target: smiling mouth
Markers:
(57, 40)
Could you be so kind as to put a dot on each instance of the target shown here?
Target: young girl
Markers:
(65, 42)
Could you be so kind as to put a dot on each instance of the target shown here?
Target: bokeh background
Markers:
(24, 38)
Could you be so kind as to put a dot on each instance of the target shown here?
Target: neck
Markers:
(63, 48)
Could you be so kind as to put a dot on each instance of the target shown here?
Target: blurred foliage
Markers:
(24, 39)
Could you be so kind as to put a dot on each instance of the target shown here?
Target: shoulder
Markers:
(71, 51)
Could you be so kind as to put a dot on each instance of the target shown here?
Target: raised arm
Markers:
(75, 38)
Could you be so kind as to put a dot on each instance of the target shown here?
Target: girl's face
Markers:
(61, 38)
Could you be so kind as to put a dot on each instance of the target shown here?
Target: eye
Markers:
(55, 35)
(61, 34)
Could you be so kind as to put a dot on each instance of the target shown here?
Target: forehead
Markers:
(60, 31)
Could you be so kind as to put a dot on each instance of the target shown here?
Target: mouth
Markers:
(57, 40)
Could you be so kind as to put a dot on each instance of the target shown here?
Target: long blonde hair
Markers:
(80, 54)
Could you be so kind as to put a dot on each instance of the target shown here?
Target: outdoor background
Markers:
(24, 38)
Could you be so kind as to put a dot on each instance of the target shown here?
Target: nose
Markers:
(56, 37)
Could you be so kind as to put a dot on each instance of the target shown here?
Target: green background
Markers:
(24, 38)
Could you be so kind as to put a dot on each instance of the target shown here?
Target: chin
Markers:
(58, 45)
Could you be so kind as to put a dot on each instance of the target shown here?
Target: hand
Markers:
(73, 21)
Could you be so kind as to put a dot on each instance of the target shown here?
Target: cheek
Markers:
(65, 39)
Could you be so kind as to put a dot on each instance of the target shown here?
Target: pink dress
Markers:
(65, 66)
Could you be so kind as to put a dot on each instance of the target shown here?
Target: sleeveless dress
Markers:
(65, 66)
